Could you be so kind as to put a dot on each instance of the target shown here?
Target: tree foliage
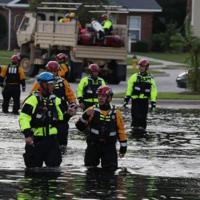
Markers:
(173, 12)
(190, 43)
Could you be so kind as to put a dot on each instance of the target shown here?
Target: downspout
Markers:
(9, 26)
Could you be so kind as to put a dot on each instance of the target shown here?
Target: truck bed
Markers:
(100, 52)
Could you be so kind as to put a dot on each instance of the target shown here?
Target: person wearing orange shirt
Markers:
(63, 90)
(64, 70)
(11, 77)
(106, 126)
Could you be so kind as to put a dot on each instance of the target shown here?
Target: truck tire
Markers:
(29, 69)
(118, 73)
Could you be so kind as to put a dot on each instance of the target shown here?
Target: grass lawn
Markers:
(169, 96)
(174, 57)
(5, 57)
(131, 71)
(129, 62)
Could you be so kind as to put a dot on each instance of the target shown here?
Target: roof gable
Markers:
(140, 5)
(4, 2)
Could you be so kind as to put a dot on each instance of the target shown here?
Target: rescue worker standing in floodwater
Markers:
(141, 88)
(64, 70)
(13, 76)
(105, 125)
(87, 88)
(40, 114)
(63, 90)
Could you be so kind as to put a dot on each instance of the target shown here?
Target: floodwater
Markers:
(165, 165)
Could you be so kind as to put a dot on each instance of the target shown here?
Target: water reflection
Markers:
(164, 165)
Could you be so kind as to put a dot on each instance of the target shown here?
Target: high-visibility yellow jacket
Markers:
(87, 88)
(140, 86)
(40, 114)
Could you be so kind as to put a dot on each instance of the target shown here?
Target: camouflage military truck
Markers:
(40, 36)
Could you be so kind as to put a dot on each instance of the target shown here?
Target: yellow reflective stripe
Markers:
(95, 100)
(112, 133)
(24, 121)
(95, 131)
(40, 131)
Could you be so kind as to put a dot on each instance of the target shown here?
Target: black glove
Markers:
(27, 132)
(126, 100)
(122, 149)
(80, 100)
(153, 106)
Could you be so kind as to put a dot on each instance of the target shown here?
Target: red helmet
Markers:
(93, 68)
(104, 16)
(61, 57)
(52, 66)
(143, 63)
(15, 59)
(105, 90)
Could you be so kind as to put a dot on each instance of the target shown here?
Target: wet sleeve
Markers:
(120, 127)
(131, 81)
(3, 71)
(81, 85)
(83, 121)
(21, 74)
(26, 113)
(153, 91)
(103, 82)
(69, 93)
(60, 109)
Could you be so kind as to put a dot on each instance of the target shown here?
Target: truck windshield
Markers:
(25, 24)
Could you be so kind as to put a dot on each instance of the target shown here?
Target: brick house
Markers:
(11, 13)
(139, 19)
(137, 14)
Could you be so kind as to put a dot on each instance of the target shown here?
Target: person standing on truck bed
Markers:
(64, 70)
(62, 89)
(107, 24)
(141, 88)
(87, 88)
(13, 76)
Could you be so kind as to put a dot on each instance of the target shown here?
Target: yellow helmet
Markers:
(72, 15)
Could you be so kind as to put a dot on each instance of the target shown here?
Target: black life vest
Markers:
(142, 85)
(12, 74)
(45, 113)
(90, 91)
(103, 128)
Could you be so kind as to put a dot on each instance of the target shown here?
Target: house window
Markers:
(134, 28)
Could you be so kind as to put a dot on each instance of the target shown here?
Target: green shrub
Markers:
(140, 46)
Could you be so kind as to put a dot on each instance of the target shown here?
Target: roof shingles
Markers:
(139, 4)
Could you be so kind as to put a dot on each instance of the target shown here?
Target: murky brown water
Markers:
(166, 165)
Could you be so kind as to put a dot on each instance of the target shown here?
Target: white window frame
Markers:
(139, 18)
